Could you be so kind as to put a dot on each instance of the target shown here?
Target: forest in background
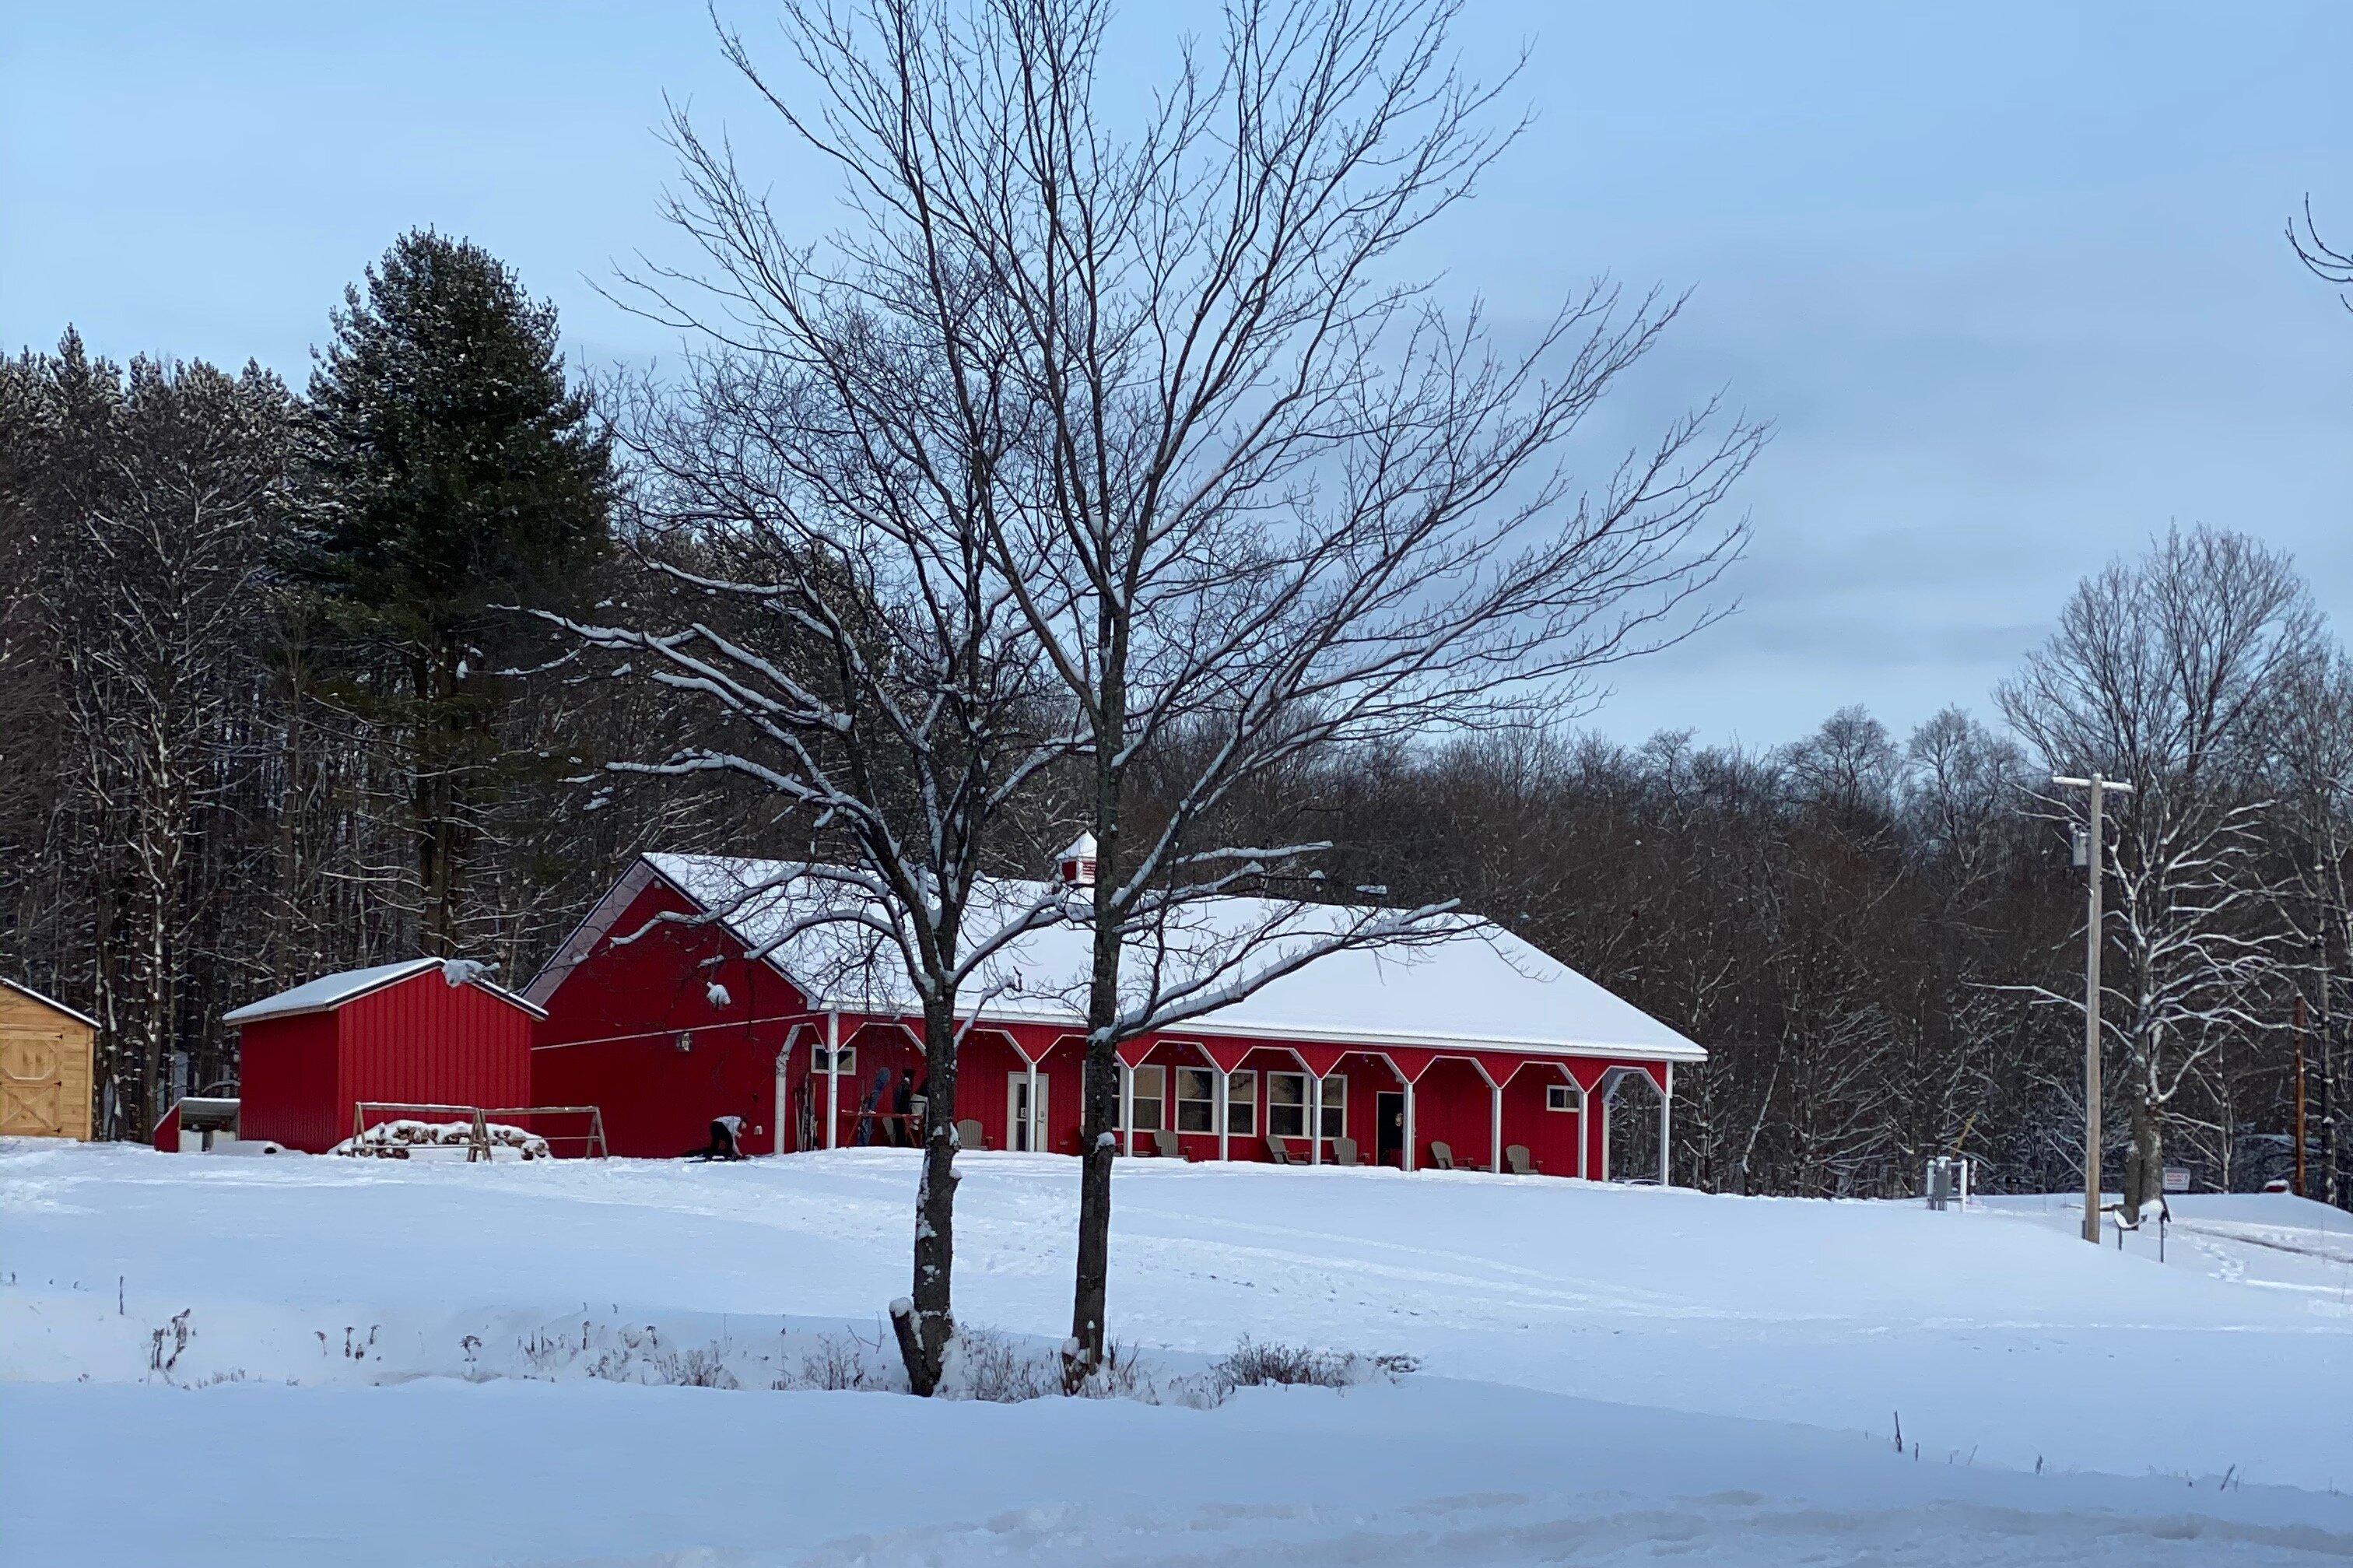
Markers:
(267, 712)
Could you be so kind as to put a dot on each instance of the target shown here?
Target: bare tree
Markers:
(2312, 774)
(1258, 496)
(813, 582)
(150, 601)
(2327, 262)
(2162, 673)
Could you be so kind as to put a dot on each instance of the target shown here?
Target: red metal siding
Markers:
(425, 1040)
(288, 1077)
(1550, 1137)
(613, 1035)
(421, 1039)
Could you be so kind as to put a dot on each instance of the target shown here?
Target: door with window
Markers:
(1025, 1122)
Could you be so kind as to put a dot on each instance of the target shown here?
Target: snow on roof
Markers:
(330, 992)
(21, 989)
(1465, 982)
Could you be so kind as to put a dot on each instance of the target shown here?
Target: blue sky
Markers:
(2008, 280)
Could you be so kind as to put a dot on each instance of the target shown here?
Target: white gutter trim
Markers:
(1370, 1042)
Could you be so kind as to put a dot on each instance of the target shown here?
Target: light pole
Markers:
(2092, 858)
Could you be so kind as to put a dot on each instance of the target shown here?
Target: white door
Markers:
(1025, 1124)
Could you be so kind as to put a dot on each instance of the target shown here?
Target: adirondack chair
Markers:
(1441, 1156)
(1343, 1153)
(969, 1135)
(1516, 1160)
(1275, 1152)
(1165, 1144)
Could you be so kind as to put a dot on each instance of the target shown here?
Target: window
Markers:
(1334, 1108)
(1562, 1098)
(1241, 1104)
(1196, 1100)
(1147, 1097)
(848, 1068)
(1286, 1105)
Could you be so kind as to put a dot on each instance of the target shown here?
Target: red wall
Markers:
(612, 1035)
(1550, 1137)
(289, 1082)
(420, 1040)
(426, 1039)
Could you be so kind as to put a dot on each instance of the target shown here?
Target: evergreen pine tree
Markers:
(460, 470)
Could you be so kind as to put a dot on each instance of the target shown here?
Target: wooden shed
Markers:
(45, 1051)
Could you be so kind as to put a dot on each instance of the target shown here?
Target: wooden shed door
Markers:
(33, 1074)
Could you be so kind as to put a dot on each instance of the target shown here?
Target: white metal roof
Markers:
(49, 1001)
(1474, 984)
(330, 992)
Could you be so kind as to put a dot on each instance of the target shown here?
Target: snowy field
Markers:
(286, 1360)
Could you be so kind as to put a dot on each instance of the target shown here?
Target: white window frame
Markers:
(1336, 1105)
(1241, 1102)
(846, 1057)
(1207, 1099)
(1276, 1109)
(1566, 1098)
(1158, 1098)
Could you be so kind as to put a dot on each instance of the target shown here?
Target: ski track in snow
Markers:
(2002, 1341)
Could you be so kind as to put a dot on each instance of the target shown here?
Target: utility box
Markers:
(1948, 1182)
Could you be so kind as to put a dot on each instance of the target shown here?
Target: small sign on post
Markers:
(2177, 1178)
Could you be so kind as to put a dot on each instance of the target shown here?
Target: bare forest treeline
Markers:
(221, 773)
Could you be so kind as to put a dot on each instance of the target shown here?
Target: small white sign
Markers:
(2177, 1179)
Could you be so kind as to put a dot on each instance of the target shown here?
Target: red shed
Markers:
(426, 1031)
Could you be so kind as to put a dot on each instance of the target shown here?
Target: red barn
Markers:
(429, 1031)
(701, 986)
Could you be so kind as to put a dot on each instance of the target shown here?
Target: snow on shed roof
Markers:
(330, 992)
(76, 1013)
(1466, 982)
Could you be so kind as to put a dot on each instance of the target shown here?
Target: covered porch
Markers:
(1407, 1107)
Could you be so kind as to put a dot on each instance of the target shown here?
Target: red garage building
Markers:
(698, 987)
(428, 1031)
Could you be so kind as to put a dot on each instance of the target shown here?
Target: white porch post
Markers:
(832, 1079)
(1409, 1124)
(1029, 1111)
(1666, 1124)
(1314, 1116)
(784, 1061)
(1584, 1104)
(1225, 1089)
(1127, 1109)
(1494, 1126)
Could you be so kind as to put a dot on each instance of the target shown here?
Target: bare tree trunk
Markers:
(2145, 1166)
(1099, 1087)
(925, 1321)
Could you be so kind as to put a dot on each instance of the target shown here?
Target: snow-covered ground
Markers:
(291, 1360)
